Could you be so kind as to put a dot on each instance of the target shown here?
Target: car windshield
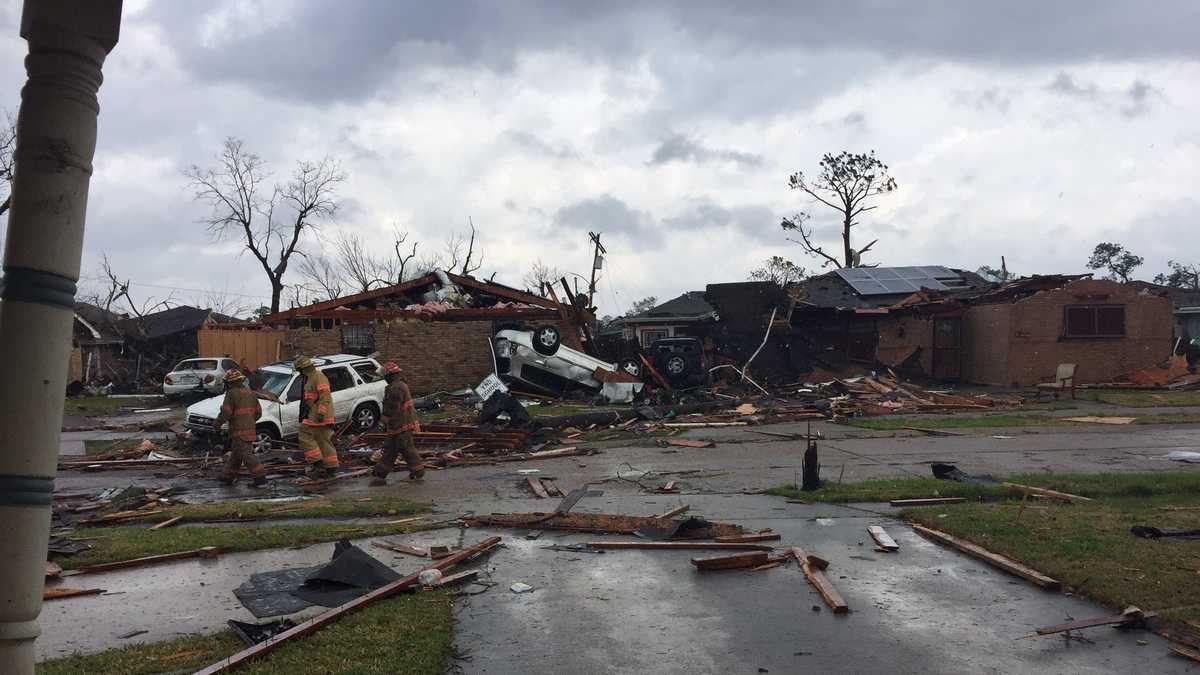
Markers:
(197, 364)
(276, 382)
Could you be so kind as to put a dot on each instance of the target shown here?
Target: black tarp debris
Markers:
(350, 573)
(64, 546)
(1151, 532)
(951, 472)
(254, 633)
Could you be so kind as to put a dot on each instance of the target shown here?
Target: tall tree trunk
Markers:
(849, 252)
(276, 291)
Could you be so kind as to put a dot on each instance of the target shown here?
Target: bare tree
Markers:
(321, 276)
(541, 275)
(1181, 276)
(846, 183)
(362, 269)
(244, 207)
(8, 148)
(457, 260)
(404, 261)
(115, 297)
(223, 302)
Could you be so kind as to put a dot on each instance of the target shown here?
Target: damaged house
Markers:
(953, 325)
(437, 327)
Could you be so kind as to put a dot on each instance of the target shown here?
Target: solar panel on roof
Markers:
(898, 280)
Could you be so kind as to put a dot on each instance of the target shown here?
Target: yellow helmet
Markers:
(233, 376)
(302, 362)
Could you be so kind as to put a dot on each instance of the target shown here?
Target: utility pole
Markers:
(56, 140)
(597, 262)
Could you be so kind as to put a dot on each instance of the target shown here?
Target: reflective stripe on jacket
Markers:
(241, 409)
(399, 413)
(320, 400)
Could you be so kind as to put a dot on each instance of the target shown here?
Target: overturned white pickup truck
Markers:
(539, 359)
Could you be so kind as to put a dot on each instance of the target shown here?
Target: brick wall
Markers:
(1033, 328)
(899, 335)
(435, 355)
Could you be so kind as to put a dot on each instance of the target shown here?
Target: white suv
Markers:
(354, 381)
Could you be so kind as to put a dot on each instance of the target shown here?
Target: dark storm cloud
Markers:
(1138, 98)
(1065, 83)
(679, 147)
(321, 51)
(607, 214)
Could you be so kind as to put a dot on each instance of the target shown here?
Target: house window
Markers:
(1087, 321)
(649, 336)
(358, 339)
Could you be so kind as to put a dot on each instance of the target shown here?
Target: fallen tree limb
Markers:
(1007, 564)
(318, 622)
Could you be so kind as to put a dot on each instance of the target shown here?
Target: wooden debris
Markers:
(1006, 564)
(883, 539)
(690, 443)
(934, 432)
(166, 523)
(931, 501)
(817, 578)
(119, 516)
(59, 593)
(552, 488)
(205, 552)
(1045, 492)
(1184, 651)
(1130, 617)
(677, 545)
(762, 536)
(53, 570)
(459, 578)
(539, 490)
(308, 482)
(677, 511)
(669, 486)
(314, 624)
(401, 548)
(731, 562)
(696, 425)
(595, 523)
(817, 562)
(1101, 420)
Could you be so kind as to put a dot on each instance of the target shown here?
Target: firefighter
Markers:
(241, 411)
(400, 423)
(316, 421)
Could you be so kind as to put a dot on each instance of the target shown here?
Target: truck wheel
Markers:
(546, 340)
(265, 437)
(676, 365)
(632, 367)
(365, 417)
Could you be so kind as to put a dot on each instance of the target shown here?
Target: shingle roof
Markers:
(690, 304)
(171, 321)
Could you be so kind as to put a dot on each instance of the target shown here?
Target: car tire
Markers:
(632, 367)
(546, 340)
(265, 438)
(676, 366)
(365, 417)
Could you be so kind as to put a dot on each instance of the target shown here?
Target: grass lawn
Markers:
(887, 423)
(1086, 545)
(99, 447)
(125, 543)
(1141, 398)
(321, 507)
(106, 405)
(409, 634)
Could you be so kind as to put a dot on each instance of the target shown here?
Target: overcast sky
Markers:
(1026, 129)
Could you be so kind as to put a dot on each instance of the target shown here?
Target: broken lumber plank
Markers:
(307, 482)
(1130, 617)
(690, 443)
(697, 425)
(975, 551)
(596, 523)
(817, 578)
(58, 592)
(1184, 651)
(934, 432)
(459, 578)
(731, 562)
(930, 501)
(204, 552)
(677, 511)
(678, 545)
(401, 548)
(1046, 492)
(552, 488)
(539, 490)
(166, 523)
(770, 565)
(882, 538)
(1101, 420)
(762, 536)
(317, 622)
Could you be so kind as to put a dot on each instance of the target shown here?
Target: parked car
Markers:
(205, 375)
(681, 360)
(538, 358)
(354, 382)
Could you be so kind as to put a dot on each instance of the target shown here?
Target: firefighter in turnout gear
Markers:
(241, 411)
(316, 421)
(400, 423)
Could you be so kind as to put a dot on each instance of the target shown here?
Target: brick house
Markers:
(1013, 334)
(438, 327)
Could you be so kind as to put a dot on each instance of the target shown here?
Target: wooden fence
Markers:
(252, 346)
